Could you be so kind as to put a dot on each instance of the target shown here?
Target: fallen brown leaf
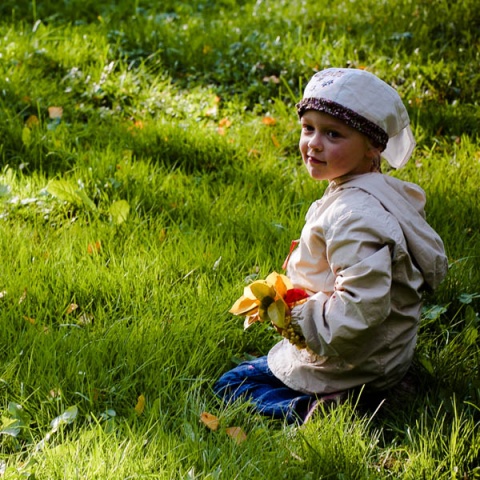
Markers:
(23, 296)
(210, 421)
(275, 141)
(268, 121)
(271, 78)
(94, 247)
(29, 319)
(71, 308)
(55, 112)
(236, 434)
(85, 319)
(55, 393)
(140, 406)
(225, 122)
(32, 121)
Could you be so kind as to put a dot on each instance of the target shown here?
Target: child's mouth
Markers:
(314, 160)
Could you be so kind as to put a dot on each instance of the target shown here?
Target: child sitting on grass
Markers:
(365, 256)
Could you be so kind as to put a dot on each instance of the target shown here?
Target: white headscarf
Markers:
(366, 103)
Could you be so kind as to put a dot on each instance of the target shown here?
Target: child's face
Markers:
(330, 148)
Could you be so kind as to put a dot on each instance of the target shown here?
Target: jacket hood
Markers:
(406, 202)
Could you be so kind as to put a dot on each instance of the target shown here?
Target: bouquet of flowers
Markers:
(272, 300)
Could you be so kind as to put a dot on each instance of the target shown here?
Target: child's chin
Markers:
(316, 175)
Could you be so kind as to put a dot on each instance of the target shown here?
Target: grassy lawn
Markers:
(148, 169)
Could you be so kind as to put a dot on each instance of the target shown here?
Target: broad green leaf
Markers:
(64, 191)
(17, 412)
(434, 312)
(108, 416)
(468, 297)
(11, 427)
(471, 316)
(427, 363)
(86, 200)
(67, 417)
(119, 211)
(4, 190)
(14, 409)
(26, 136)
(471, 335)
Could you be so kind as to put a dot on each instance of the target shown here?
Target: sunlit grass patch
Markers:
(149, 170)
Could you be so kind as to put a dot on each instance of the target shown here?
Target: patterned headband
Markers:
(351, 118)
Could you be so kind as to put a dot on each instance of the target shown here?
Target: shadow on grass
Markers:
(447, 120)
(419, 395)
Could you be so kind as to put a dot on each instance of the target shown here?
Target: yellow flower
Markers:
(263, 300)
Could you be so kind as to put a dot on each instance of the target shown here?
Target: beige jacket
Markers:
(365, 255)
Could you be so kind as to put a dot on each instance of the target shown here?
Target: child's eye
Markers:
(333, 134)
(307, 128)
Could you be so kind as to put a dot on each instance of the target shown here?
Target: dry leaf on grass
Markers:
(55, 112)
(32, 121)
(254, 152)
(210, 421)
(236, 434)
(140, 406)
(85, 319)
(268, 121)
(23, 296)
(72, 307)
(275, 142)
(55, 393)
(225, 123)
(94, 247)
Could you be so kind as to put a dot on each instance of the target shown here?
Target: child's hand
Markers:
(292, 332)
(272, 300)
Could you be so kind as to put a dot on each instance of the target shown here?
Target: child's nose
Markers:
(315, 142)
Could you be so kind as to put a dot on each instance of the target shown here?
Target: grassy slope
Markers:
(164, 109)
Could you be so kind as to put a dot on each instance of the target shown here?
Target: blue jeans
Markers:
(253, 380)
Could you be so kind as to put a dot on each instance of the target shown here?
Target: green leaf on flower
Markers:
(262, 289)
(276, 313)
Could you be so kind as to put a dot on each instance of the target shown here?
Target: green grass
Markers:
(160, 189)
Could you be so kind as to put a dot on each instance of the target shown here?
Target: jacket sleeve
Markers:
(360, 258)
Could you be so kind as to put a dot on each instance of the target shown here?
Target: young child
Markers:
(365, 255)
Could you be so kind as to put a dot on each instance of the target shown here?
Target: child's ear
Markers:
(373, 152)
(374, 155)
